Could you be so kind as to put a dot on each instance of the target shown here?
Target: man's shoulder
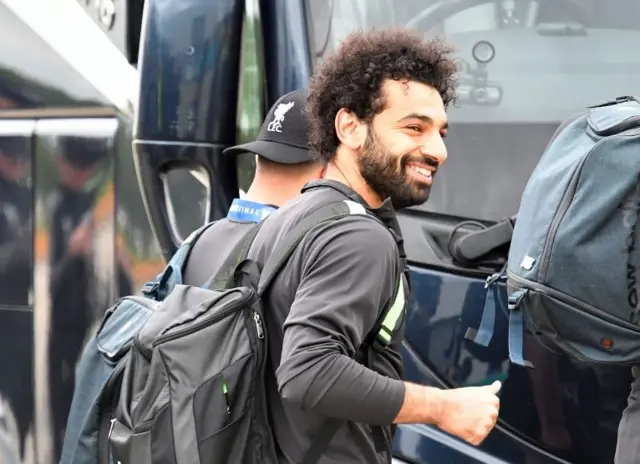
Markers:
(352, 235)
(212, 247)
(310, 200)
(221, 232)
(363, 226)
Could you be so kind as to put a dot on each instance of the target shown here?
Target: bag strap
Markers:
(108, 403)
(225, 276)
(322, 440)
(171, 275)
(292, 239)
(385, 325)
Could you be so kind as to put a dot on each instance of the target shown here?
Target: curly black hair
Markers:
(352, 78)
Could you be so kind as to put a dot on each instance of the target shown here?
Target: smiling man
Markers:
(377, 117)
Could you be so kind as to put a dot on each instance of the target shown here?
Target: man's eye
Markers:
(415, 128)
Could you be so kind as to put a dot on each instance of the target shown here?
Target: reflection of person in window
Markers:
(80, 168)
(15, 280)
(15, 224)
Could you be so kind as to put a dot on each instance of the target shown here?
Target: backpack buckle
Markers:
(493, 278)
(150, 289)
(515, 299)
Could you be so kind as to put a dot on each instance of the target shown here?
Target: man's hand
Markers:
(81, 239)
(469, 413)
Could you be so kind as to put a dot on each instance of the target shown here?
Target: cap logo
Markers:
(278, 117)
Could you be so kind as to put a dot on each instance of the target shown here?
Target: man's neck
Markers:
(351, 177)
(268, 193)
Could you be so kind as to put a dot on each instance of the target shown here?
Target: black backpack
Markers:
(193, 389)
(99, 371)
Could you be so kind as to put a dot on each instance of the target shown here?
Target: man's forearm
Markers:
(421, 405)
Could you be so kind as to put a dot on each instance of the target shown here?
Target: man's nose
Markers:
(436, 149)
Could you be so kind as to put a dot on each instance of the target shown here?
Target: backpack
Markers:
(572, 264)
(193, 389)
(100, 367)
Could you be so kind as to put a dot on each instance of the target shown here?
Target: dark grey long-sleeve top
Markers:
(318, 311)
(325, 301)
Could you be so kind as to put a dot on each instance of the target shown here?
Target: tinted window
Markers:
(187, 191)
(552, 59)
(250, 98)
(16, 213)
(135, 246)
(188, 188)
(16, 289)
(76, 262)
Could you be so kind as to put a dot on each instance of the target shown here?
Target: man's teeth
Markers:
(423, 171)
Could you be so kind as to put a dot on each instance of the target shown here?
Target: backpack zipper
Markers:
(570, 301)
(146, 352)
(565, 203)
(225, 392)
(564, 206)
(259, 328)
(113, 423)
(201, 324)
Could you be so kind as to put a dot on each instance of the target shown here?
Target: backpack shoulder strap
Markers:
(387, 320)
(285, 249)
(225, 276)
(171, 275)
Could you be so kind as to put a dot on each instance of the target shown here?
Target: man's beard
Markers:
(379, 168)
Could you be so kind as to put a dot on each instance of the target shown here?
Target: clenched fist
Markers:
(470, 412)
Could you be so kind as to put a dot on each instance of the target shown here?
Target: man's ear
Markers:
(350, 130)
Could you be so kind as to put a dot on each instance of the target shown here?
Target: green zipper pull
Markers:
(225, 392)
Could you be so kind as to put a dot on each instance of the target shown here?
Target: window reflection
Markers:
(75, 212)
(138, 253)
(77, 267)
(250, 98)
(16, 318)
(551, 60)
(15, 219)
(187, 198)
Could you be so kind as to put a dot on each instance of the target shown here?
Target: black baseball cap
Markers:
(83, 152)
(17, 148)
(284, 136)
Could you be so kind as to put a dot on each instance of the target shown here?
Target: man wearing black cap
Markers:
(283, 166)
